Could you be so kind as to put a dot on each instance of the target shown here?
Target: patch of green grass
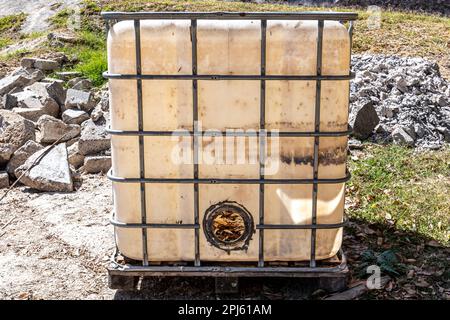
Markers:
(9, 27)
(4, 42)
(12, 23)
(61, 18)
(92, 64)
(404, 33)
(14, 55)
(33, 35)
(390, 184)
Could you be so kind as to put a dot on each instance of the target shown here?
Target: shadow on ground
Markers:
(418, 266)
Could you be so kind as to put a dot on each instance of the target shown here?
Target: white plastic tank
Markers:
(229, 47)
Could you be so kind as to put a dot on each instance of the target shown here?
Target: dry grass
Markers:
(409, 34)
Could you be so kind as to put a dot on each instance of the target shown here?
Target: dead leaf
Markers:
(24, 295)
(434, 244)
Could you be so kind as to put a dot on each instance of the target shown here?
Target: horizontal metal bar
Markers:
(339, 268)
(227, 181)
(108, 75)
(313, 15)
(302, 226)
(184, 133)
(197, 226)
(223, 271)
(153, 225)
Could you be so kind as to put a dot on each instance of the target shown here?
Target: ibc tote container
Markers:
(281, 82)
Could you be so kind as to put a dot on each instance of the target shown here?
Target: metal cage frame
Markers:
(315, 268)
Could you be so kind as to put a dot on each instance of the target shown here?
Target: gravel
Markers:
(409, 94)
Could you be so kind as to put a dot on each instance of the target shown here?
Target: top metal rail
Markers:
(333, 16)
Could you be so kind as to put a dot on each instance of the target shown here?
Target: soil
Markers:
(38, 11)
(56, 246)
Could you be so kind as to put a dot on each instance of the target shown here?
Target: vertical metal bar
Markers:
(137, 33)
(350, 33)
(316, 143)
(195, 138)
(262, 142)
(107, 27)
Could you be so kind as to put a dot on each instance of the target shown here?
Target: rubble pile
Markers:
(36, 112)
(400, 100)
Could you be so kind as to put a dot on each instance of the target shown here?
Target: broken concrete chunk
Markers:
(401, 137)
(363, 119)
(15, 131)
(82, 100)
(32, 108)
(83, 84)
(74, 81)
(76, 159)
(10, 82)
(31, 74)
(4, 180)
(94, 138)
(51, 173)
(52, 129)
(9, 101)
(21, 155)
(41, 64)
(96, 164)
(46, 64)
(74, 116)
(27, 62)
(61, 37)
(67, 75)
(53, 90)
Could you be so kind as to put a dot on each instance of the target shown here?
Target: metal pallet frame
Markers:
(199, 269)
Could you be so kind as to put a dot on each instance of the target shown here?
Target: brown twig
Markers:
(32, 165)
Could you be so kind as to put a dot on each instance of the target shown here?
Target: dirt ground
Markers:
(56, 246)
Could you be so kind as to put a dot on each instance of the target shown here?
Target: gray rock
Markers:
(101, 110)
(67, 75)
(51, 173)
(83, 84)
(445, 132)
(41, 64)
(419, 130)
(15, 131)
(33, 75)
(97, 164)
(32, 108)
(8, 83)
(74, 81)
(73, 116)
(60, 37)
(94, 138)
(46, 64)
(9, 101)
(21, 155)
(82, 100)
(18, 79)
(443, 101)
(363, 119)
(76, 159)
(407, 92)
(53, 90)
(401, 85)
(4, 180)
(27, 62)
(50, 80)
(401, 137)
(52, 129)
